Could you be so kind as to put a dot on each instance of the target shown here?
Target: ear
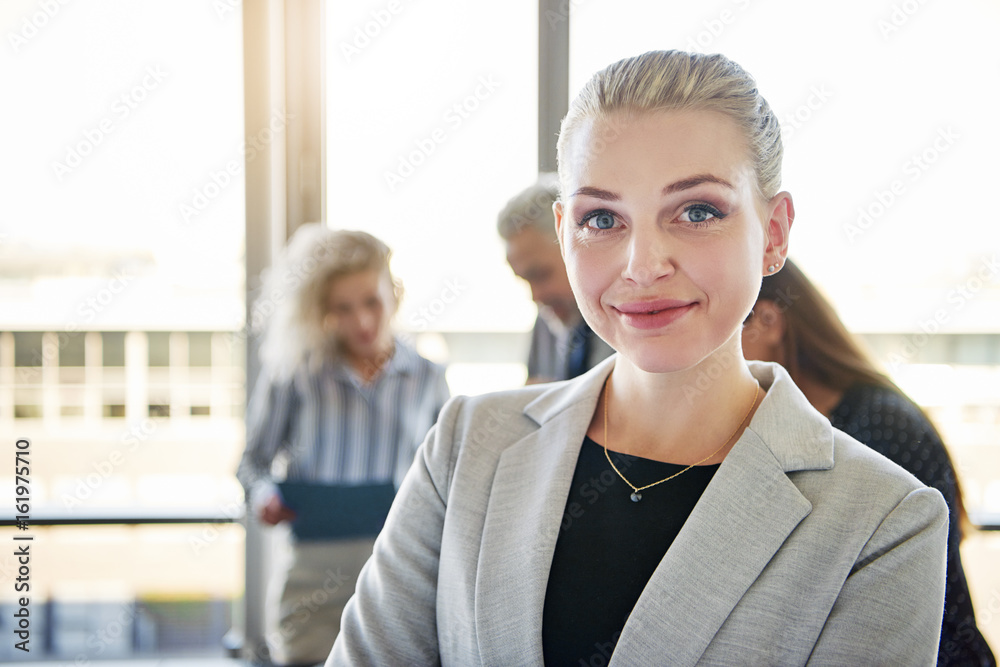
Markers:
(557, 212)
(781, 213)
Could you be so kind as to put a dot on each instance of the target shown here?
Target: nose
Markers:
(367, 321)
(650, 255)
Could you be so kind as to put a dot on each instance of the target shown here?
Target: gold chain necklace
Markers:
(636, 496)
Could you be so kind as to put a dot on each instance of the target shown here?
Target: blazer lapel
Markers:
(527, 502)
(742, 519)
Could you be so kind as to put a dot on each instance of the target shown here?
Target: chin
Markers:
(659, 363)
(660, 355)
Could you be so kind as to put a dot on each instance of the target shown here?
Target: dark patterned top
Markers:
(608, 548)
(894, 426)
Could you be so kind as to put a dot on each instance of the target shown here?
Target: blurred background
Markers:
(157, 153)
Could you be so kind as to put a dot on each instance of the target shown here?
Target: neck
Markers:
(678, 417)
(368, 366)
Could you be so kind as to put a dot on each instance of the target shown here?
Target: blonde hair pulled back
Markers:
(676, 80)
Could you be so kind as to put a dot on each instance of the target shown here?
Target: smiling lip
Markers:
(653, 314)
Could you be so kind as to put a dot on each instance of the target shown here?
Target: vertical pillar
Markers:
(93, 383)
(136, 377)
(51, 399)
(266, 231)
(553, 77)
(222, 374)
(179, 390)
(7, 377)
(305, 73)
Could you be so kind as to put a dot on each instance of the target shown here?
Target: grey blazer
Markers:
(806, 547)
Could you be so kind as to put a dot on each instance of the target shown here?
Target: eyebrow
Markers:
(597, 193)
(694, 181)
(678, 186)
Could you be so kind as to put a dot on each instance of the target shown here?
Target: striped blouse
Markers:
(328, 426)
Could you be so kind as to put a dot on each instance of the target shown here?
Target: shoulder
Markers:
(856, 461)
(864, 489)
(865, 501)
(473, 432)
(889, 423)
(828, 465)
(408, 359)
(497, 418)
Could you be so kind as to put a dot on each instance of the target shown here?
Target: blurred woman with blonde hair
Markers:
(340, 401)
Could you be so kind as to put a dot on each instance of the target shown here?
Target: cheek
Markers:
(730, 277)
(589, 273)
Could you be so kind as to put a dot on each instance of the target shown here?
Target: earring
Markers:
(772, 268)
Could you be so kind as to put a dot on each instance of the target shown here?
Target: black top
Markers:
(608, 548)
(894, 426)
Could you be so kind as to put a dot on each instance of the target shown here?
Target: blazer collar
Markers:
(562, 395)
(799, 436)
(526, 507)
(750, 503)
(741, 520)
(804, 443)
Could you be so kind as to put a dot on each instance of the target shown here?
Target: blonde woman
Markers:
(340, 401)
(675, 505)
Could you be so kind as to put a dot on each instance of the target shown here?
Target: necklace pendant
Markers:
(636, 496)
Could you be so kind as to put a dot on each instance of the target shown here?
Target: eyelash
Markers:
(714, 213)
(708, 208)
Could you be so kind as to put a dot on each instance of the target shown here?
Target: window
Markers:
(72, 351)
(27, 349)
(199, 349)
(159, 348)
(113, 348)
(440, 142)
(120, 218)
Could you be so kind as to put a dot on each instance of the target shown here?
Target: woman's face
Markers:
(664, 237)
(359, 307)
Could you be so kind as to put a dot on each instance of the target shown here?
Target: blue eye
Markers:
(604, 221)
(600, 220)
(700, 214)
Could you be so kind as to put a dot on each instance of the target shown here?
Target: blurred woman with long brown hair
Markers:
(793, 324)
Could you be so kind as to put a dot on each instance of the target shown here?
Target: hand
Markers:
(275, 511)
